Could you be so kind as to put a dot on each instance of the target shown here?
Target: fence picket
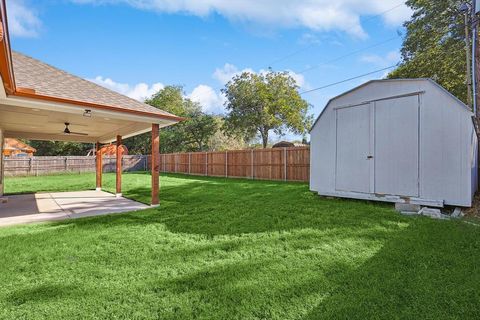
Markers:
(289, 164)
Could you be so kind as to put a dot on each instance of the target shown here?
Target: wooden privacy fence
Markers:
(288, 164)
(49, 165)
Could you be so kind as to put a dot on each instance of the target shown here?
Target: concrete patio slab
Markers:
(28, 208)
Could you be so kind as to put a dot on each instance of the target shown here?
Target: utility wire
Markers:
(349, 79)
(383, 12)
(349, 54)
(286, 57)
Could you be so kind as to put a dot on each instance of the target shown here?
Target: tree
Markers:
(220, 141)
(192, 134)
(59, 148)
(434, 46)
(260, 103)
(199, 127)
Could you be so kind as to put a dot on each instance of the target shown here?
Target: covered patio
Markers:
(41, 102)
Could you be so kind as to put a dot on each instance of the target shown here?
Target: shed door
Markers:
(396, 146)
(353, 171)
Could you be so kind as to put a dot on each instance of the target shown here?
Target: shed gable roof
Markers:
(389, 80)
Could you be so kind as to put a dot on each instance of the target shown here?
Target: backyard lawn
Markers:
(236, 249)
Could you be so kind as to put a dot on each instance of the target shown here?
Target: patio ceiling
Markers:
(36, 120)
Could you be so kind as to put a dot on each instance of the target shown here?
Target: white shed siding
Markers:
(444, 134)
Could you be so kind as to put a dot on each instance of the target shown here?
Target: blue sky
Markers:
(138, 46)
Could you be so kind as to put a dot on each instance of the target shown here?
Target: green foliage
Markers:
(434, 46)
(169, 99)
(222, 141)
(56, 148)
(236, 249)
(192, 134)
(260, 103)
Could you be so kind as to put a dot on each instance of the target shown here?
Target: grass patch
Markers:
(236, 249)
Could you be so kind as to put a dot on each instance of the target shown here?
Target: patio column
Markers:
(98, 166)
(155, 165)
(119, 167)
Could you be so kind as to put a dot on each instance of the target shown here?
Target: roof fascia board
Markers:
(110, 138)
(6, 66)
(88, 105)
(74, 109)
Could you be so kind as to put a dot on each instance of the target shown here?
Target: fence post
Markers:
(189, 162)
(206, 163)
(175, 158)
(285, 164)
(29, 166)
(253, 174)
(66, 164)
(226, 164)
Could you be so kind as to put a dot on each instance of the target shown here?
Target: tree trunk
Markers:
(265, 139)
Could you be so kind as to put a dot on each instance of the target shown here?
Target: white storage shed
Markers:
(406, 140)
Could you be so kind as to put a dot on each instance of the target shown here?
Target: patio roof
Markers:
(45, 98)
(41, 102)
(34, 78)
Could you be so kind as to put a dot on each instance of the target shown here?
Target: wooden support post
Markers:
(155, 164)
(98, 166)
(119, 167)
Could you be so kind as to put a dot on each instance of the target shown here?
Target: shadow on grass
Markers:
(212, 207)
(421, 272)
(223, 249)
(40, 293)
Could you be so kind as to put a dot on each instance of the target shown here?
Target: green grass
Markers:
(237, 249)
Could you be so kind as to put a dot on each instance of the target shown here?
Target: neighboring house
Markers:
(287, 144)
(15, 148)
(404, 140)
(41, 102)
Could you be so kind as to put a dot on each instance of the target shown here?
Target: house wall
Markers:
(447, 157)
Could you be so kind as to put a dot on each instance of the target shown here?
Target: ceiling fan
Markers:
(67, 131)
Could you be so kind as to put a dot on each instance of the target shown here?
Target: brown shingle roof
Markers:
(50, 81)
(14, 144)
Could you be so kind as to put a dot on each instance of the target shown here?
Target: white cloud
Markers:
(228, 71)
(22, 20)
(211, 101)
(317, 15)
(309, 39)
(390, 58)
(140, 91)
